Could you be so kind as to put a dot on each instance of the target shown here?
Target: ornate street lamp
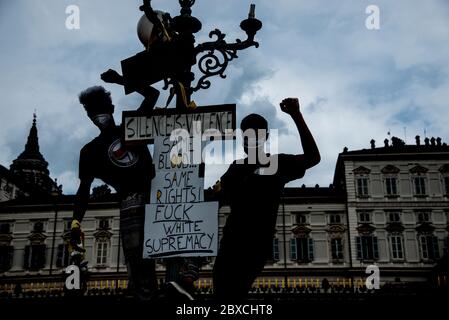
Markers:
(170, 53)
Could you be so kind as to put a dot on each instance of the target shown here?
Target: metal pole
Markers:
(349, 234)
(54, 236)
(118, 261)
(284, 238)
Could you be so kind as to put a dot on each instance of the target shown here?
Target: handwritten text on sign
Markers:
(141, 128)
(188, 229)
(178, 222)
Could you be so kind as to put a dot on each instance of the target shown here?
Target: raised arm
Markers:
(311, 156)
(112, 76)
(81, 199)
(80, 207)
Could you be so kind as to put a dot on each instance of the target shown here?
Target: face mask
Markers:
(102, 121)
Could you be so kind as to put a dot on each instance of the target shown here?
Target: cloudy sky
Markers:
(354, 84)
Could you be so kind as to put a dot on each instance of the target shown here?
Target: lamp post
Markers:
(171, 53)
(212, 57)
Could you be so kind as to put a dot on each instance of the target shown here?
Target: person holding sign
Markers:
(129, 171)
(253, 190)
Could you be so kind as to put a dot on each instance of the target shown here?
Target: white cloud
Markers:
(354, 84)
(69, 180)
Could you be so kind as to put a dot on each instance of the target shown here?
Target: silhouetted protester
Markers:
(253, 193)
(129, 171)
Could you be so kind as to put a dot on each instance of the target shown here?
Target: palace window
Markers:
(63, 256)
(419, 180)
(362, 186)
(394, 216)
(444, 170)
(391, 186)
(367, 248)
(396, 247)
(67, 225)
(301, 249)
(103, 224)
(423, 216)
(300, 218)
(38, 227)
(391, 181)
(337, 248)
(429, 247)
(102, 252)
(446, 185)
(334, 218)
(364, 217)
(446, 246)
(35, 256)
(6, 256)
(361, 175)
(419, 184)
(275, 255)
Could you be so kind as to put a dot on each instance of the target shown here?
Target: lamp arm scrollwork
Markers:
(217, 55)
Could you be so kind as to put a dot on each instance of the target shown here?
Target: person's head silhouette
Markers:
(98, 105)
(255, 132)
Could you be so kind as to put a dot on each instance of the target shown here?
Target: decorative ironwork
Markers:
(211, 64)
(220, 53)
(186, 6)
(395, 227)
(214, 56)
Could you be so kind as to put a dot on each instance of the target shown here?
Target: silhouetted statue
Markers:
(161, 60)
(432, 141)
(397, 142)
(253, 193)
(129, 171)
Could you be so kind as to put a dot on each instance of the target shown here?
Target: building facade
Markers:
(397, 206)
(387, 207)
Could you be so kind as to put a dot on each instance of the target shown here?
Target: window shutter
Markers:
(436, 251)
(6, 255)
(338, 248)
(26, 260)
(275, 249)
(293, 250)
(60, 256)
(446, 245)
(10, 257)
(358, 242)
(43, 256)
(416, 185)
(424, 249)
(310, 249)
(66, 260)
(375, 248)
(38, 256)
(359, 187)
(402, 248)
(334, 248)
